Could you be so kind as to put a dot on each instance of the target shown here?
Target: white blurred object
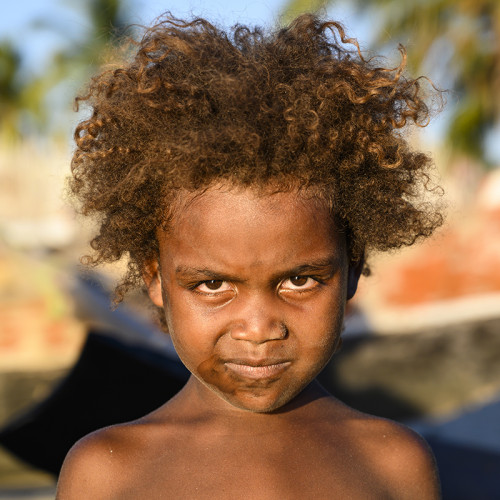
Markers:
(52, 232)
(489, 193)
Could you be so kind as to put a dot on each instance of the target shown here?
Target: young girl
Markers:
(247, 177)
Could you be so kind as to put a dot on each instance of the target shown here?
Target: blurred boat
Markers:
(467, 451)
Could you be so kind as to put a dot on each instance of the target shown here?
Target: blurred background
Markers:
(422, 338)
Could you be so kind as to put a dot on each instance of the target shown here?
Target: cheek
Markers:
(320, 333)
(323, 321)
(187, 329)
(315, 353)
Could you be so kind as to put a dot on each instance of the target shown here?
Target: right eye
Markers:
(299, 284)
(213, 286)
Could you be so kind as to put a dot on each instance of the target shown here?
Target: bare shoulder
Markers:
(98, 465)
(399, 457)
(89, 468)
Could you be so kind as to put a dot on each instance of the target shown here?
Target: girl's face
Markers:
(254, 289)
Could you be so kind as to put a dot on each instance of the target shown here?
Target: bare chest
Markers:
(266, 468)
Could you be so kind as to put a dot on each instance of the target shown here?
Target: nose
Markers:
(258, 321)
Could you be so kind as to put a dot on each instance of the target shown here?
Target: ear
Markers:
(355, 269)
(152, 280)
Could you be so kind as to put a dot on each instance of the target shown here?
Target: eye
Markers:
(213, 286)
(299, 283)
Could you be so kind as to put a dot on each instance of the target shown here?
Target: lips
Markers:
(257, 369)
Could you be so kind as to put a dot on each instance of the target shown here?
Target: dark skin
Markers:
(254, 288)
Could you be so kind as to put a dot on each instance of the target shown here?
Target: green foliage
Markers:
(18, 97)
(10, 90)
(9, 66)
(23, 98)
(296, 7)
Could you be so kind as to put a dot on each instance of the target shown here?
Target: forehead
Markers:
(265, 197)
(247, 222)
(225, 203)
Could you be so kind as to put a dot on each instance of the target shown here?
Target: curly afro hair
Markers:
(297, 107)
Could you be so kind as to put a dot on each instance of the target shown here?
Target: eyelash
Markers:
(194, 287)
(301, 289)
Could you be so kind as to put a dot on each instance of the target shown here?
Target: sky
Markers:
(39, 27)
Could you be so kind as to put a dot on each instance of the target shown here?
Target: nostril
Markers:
(284, 331)
(259, 331)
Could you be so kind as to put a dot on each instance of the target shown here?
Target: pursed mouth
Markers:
(257, 370)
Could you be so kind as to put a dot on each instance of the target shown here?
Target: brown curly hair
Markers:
(300, 106)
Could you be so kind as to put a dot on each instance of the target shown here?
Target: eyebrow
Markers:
(329, 264)
(194, 273)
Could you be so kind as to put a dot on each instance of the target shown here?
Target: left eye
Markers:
(299, 283)
(212, 286)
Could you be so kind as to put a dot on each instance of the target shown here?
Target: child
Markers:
(247, 177)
